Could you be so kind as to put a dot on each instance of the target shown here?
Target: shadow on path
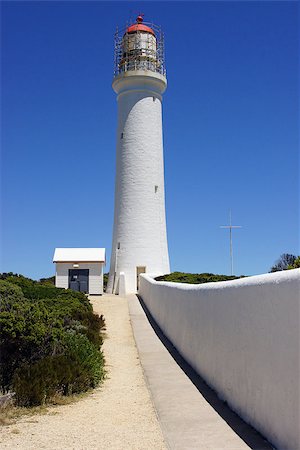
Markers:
(245, 431)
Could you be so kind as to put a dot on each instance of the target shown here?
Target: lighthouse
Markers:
(139, 234)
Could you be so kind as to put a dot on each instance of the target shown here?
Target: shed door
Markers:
(79, 280)
(139, 270)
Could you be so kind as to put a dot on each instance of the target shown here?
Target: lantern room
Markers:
(139, 47)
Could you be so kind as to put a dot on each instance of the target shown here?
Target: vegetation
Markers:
(105, 281)
(194, 278)
(286, 261)
(49, 341)
(13, 276)
(49, 280)
(296, 264)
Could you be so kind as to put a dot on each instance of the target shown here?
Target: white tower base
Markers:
(139, 236)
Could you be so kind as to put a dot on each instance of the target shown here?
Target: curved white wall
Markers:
(243, 338)
(139, 223)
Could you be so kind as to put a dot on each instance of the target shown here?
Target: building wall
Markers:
(95, 276)
(140, 222)
(242, 337)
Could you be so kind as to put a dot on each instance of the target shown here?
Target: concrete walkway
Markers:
(190, 413)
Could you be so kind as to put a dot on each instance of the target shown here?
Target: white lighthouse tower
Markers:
(139, 236)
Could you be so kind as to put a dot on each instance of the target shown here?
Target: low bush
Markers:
(295, 264)
(48, 281)
(77, 368)
(32, 289)
(50, 336)
(194, 278)
(105, 281)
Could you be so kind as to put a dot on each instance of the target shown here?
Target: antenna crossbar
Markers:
(230, 227)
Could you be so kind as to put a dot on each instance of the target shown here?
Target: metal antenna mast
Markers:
(230, 226)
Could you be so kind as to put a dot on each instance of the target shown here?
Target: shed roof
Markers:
(79, 255)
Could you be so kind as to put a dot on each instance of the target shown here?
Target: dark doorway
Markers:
(139, 270)
(79, 280)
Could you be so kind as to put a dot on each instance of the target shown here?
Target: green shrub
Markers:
(194, 278)
(36, 383)
(88, 361)
(46, 281)
(12, 323)
(78, 368)
(105, 281)
(74, 309)
(38, 291)
(9, 293)
(28, 331)
(47, 339)
(296, 264)
(32, 289)
(17, 279)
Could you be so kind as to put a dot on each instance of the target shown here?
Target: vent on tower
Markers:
(140, 46)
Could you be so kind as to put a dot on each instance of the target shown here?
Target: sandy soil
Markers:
(117, 415)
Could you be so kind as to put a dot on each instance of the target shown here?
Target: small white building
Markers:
(80, 269)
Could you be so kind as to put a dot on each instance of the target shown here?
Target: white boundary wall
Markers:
(243, 338)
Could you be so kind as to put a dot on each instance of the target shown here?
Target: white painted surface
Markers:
(79, 254)
(122, 286)
(242, 337)
(139, 222)
(95, 276)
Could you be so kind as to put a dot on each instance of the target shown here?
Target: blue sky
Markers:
(230, 117)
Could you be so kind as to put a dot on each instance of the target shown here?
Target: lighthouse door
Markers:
(139, 270)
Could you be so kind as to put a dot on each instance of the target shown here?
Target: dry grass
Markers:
(67, 399)
(9, 413)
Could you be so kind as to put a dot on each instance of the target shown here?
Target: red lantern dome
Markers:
(138, 26)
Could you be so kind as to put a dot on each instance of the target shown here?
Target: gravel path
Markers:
(118, 415)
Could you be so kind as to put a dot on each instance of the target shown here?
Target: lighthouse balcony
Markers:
(141, 64)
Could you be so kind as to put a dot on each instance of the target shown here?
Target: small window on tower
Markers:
(122, 135)
(156, 189)
(154, 98)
